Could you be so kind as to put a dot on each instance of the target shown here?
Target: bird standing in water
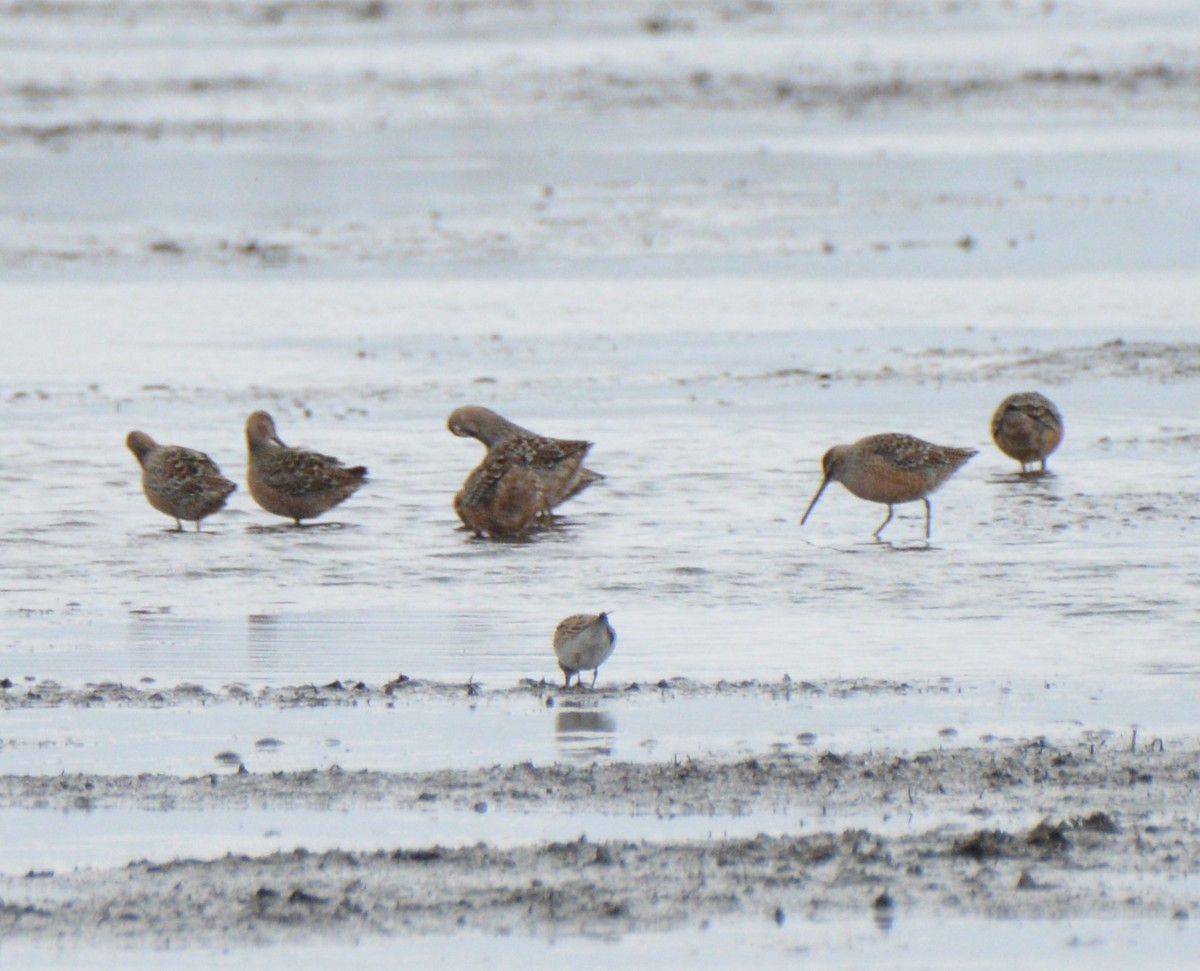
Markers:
(1027, 427)
(522, 477)
(294, 482)
(891, 468)
(178, 481)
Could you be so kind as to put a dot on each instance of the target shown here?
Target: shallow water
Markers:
(711, 443)
(821, 943)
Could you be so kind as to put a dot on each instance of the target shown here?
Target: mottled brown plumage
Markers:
(557, 462)
(504, 496)
(294, 482)
(1027, 427)
(582, 642)
(890, 468)
(178, 481)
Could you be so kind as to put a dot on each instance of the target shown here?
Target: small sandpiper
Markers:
(293, 482)
(557, 462)
(582, 642)
(1027, 427)
(178, 481)
(891, 468)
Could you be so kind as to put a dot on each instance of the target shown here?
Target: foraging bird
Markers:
(1027, 427)
(293, 482)
(891, 468)
(582, 642)
(178, 481)
(557, 462)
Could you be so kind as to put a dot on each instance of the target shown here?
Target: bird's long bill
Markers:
(804, 518)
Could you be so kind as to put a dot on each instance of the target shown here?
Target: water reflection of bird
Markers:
(585, 734)
(582, 642)
(890, 468)
(293, 482)
(537, 473)
(1027, 427)
(178, 481)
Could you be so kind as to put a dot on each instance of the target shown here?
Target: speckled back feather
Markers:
(558, 462)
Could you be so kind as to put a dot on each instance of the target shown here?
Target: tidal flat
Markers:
(713, 240)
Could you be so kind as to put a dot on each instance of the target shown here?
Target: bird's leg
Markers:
(197, 525)
(884, 523)
(928, 515)
(595, 671)
(178, 525)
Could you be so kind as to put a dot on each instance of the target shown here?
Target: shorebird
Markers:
(503, 496)
(179, 481)
(557, 462)
(891, 468)
(293, 482)
(582, 642)
(1027, 427)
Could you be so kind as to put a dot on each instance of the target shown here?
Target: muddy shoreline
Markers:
(1021, 829)
(32, 692)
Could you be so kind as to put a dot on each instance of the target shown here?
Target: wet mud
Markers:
(1015, 829)
(31, 692)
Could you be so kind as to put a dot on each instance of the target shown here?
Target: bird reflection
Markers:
(262, 638)
(584, 733)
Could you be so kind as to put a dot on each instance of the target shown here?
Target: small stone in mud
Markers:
(227, 758)
(299, 896)
(480, 807)
(268, 743)
(807, 738)
(948, 732)
(417, 856)
(1099, 822)
(780, 916)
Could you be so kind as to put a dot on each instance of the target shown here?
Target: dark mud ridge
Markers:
(1010, 830)
(350, 692)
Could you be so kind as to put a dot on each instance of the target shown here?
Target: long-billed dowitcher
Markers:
(891, 468)
(181, 482)
(294, 482)
(557, 462)
(504, 496)
(1027, 427)
(582, 642)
